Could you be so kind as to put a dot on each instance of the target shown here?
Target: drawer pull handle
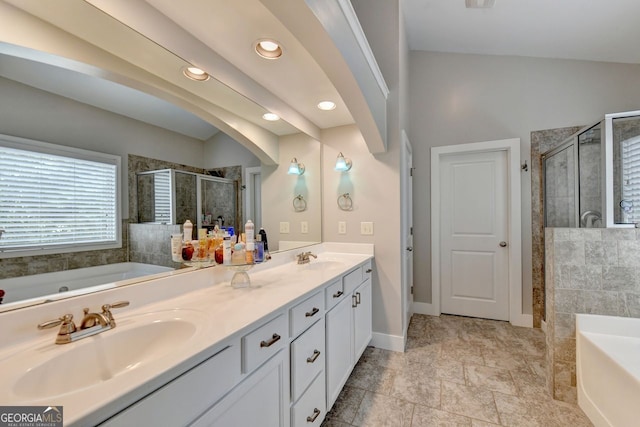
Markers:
(312, 418)
(368, 270)
(272, 341)
(354, 301)
(338, 294)
(358, 297)
(312, 312)
(313, 358)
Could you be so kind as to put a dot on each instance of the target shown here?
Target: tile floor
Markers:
(457, 371)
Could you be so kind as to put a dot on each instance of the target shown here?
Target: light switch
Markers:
(342, 227)
(284, 227)
(304, 227)
(366, 228)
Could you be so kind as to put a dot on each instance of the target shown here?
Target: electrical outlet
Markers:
(284, 228)
(342, 227)
(304, 227)
(366, 228)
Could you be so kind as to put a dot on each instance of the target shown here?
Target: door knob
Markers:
(409, 248)
(503, 244)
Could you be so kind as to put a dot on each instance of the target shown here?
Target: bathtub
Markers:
(608, 369)
(28, 290)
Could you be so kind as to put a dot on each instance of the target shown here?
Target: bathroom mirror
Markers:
(46, 102)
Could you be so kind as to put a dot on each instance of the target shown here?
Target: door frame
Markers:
(249, 191)
(404, 197)
(512, 148)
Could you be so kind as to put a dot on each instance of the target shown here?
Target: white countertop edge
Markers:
(200, 296)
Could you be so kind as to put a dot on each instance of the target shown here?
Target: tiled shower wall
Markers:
(594, 271)
(151, 244)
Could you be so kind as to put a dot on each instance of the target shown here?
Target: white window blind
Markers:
(54, 197)
(631, 175)
(162, 199)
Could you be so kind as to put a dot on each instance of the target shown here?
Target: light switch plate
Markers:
(366, 228)
(342, 227)
(304, 227)
(284, 227)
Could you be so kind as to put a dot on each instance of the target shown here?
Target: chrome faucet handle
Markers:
(67, 327)
(106, 311)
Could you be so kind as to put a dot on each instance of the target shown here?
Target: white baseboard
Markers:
(524, 320)
(388, 342)
(424, 308)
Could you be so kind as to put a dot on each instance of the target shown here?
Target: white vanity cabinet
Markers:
(285, 369)
(307, 359)
(348, 327)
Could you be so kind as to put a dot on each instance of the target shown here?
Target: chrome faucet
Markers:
(303, 258)
(91, 324)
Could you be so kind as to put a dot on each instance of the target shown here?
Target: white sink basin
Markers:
(54, 370)
(319, 265)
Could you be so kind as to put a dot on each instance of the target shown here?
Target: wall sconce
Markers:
(343, 164)
(295, 168)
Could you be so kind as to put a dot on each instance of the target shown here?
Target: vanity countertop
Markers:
(203, 297)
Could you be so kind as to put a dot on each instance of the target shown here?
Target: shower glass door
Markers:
(560, 186)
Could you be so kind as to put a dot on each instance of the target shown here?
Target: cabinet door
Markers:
(339, 341)
(362, 319)
(260, 400)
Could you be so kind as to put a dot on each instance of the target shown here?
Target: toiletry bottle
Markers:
(259, 252)
(176, 247)
(238, 256)
(187, 230)
(249, 230)
(266, 243)
(250, 252)
(226, 249)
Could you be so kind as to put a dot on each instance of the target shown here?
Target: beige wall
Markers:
(35, 114)
(279, 190)
(221, 150)
(459, 98)
(374, 180)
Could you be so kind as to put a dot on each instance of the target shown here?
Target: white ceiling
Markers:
(606, 30)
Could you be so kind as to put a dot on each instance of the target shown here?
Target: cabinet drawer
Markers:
(263, 343)
(352, 280)
(307, 359)
(310, 409)
(204, 385)
(306, 313)
(333, 294)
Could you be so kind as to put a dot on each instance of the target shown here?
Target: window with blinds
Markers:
(631, 176)
(56, 199)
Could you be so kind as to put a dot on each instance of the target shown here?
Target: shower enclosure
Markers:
(593, 178)
(170, 196)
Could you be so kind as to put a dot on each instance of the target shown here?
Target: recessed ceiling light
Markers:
(271, 117)
(268, 49)
(479, 4)
(326, 105)
(195, 73)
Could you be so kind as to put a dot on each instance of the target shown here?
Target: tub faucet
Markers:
(303, 258)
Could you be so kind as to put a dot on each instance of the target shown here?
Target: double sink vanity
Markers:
(189, 349)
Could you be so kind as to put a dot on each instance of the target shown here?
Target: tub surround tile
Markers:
(608, 284)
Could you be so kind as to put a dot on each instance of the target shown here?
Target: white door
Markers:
(407, 230)
(474, 235)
